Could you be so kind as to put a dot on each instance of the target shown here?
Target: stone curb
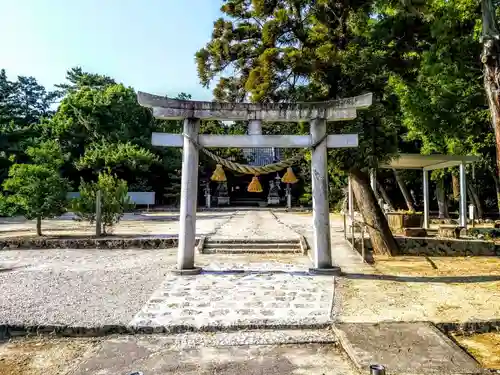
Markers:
(441, 247)
(89, 243)
(8, 331)
(470, 328)
(12, 330)
(304, 246)
(200, 245)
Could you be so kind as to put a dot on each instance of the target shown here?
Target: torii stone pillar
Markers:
(189, 188)
(318, 114)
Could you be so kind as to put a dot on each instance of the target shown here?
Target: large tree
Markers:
(101, 125)
(490, 58)
(305, 50)
(445, 106)
(36, 188)
(23, 103)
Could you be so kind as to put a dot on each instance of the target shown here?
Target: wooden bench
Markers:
(414, 232)
(449, 231)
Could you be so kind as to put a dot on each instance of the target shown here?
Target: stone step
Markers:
(249, 251)
(251, 241)
(218, 245)
(250, 247)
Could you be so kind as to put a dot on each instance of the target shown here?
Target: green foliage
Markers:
(115, 201)
(7, 206)
(23, 103)
(78, 79)
(37, 190)
(116, 157)
(305, 199)
(172, 192)
(446, 92)
(47, 153)
(307, 51)
(484, 233)
(420, 59)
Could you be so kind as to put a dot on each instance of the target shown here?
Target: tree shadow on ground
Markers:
(256, 272)
(13, 220)
(424, 279)
(10, 269)
(175, 217)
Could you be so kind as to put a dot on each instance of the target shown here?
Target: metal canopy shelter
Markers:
(428, 163)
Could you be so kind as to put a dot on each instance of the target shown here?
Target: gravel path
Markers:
(254, 225)
(78, 287)
(166, 223)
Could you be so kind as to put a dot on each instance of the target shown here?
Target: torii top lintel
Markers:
(333, 110)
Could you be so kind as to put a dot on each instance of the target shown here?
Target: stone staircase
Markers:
(242, 246)
(248, 202)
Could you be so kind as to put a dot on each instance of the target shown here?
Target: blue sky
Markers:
(146, 44)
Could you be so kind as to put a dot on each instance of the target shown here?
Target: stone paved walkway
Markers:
(254, 225)
(241, 292)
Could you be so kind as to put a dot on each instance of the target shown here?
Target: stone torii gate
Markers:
(317, 114)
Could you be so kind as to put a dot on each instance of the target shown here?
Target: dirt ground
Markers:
(64, 356)
(437, 289)
(42, 356)
(53, 228)
(485, 348)
(156, 355)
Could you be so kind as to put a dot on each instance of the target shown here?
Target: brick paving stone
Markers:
(243, 291)
(219, 298)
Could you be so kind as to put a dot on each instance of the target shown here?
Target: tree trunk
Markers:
(38, 226)
(404, 191)
(490, 57)
(497, 188)
(386, 198)
(455, 182)
(380, 234)
(474, 198)
(441, 199)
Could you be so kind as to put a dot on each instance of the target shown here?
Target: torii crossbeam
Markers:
(317, 114)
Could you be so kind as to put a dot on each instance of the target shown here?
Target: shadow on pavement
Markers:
(424, 279)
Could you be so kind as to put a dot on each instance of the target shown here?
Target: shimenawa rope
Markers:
(251, 169)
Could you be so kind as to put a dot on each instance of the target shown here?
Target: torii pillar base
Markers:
(187, 271)
(333, 271)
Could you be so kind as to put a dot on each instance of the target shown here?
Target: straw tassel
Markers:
(289, 177)
(218, 174)
(255, 186)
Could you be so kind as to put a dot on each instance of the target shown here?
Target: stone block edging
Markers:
(89, 243)
(304, 246)
(469, 328)
(200, 244)
(8, 331)
(429, 246)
